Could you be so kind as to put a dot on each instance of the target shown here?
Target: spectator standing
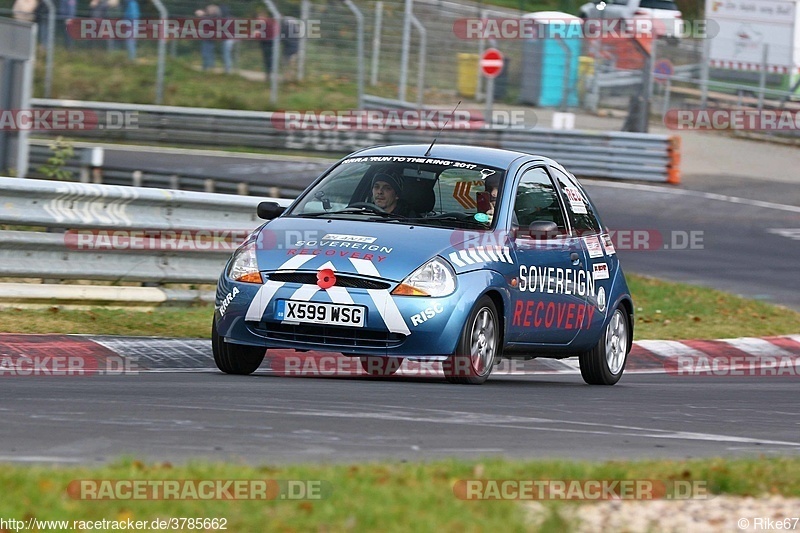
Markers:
(67, 10)
(132, 13)
(266, 41)
(41, 18)
(98, 9)
(208, 47)
(227, 44)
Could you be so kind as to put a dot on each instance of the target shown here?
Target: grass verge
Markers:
(664, 310)
(371, 496)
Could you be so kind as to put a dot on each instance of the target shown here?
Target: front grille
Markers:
(327, 336)
(310, 278)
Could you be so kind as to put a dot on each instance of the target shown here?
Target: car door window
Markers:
(581, 212)
(536, 200)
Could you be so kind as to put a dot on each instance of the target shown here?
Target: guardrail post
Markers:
(209, 185)
(136, 178)
(174, 182)
(242, 189)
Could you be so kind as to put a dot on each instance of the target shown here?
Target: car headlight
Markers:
(434, 278)
(244, 266)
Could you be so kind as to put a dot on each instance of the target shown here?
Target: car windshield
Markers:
(412, 190)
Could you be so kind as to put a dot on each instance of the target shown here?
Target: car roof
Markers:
(495, 157)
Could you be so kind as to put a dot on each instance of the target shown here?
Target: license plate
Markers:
(320, 313)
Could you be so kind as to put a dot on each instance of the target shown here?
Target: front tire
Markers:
(381, 366)
(235, 358)
(478, 346)
(605, 363)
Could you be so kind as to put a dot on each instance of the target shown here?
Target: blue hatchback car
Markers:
(459, 254)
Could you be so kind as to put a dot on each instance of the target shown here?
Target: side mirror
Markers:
(269, 210)
(540, 230)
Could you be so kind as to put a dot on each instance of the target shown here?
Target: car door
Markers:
(548, 297)
(601, 259)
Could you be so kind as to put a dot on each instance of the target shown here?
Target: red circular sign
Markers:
(491, 63)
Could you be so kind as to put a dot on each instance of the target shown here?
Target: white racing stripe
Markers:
(304, 293)
(490, 251)
(267, 291)
(383, 300)
(482, 252)
(261, 299)
(454, 259)
(465, 257)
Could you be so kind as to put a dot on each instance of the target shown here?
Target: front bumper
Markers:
(407, 326)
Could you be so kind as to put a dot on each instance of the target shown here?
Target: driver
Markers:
(387, 189)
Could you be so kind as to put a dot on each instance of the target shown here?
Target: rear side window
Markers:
(536, 200)
(581, 213)
(659, 4)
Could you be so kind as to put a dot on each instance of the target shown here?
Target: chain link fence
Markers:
(398, 58)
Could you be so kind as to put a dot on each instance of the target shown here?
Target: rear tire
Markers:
(381, 366)
(235, 358)
(478, 347)
(605, 363)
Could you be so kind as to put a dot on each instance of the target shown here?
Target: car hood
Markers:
(394, 249)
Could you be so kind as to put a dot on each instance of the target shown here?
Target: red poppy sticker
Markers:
(326, 279)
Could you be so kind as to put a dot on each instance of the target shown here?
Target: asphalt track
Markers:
(263, 418)
(166, 402)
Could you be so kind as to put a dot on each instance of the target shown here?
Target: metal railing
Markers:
(80, 167)
(613, 155)
(62, 209)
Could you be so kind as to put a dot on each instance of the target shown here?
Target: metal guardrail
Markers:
(40, 152)
(614, 155)
(63, 206)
